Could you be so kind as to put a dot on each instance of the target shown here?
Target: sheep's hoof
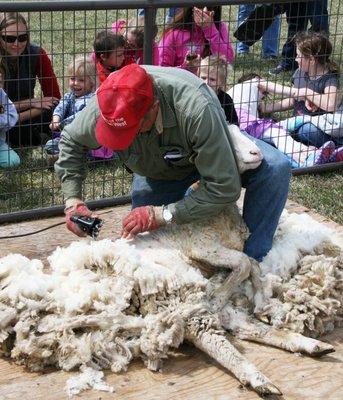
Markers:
(262, 318)
(322, 349)
(267, 389)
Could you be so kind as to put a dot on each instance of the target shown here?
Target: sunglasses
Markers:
(11, 39)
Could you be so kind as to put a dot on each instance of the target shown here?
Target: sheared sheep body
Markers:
(105, 303)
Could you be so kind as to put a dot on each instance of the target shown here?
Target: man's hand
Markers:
(142, 219)
(77, 207)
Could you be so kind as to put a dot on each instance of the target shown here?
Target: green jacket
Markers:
(193, 123)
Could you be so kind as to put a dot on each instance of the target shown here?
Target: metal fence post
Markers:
(149, 21)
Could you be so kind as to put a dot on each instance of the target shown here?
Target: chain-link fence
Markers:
(55, 54)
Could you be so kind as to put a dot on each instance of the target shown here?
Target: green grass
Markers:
(322, 193)
(66, 34)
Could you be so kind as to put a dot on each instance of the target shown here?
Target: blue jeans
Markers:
(311, 135)
(8, 157)
(265, 196)
(270, 39)
(317, 13)
(298, 15)
(297, 22)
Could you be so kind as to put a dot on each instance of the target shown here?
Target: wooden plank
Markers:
(190, 374)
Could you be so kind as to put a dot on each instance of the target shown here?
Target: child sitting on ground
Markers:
(109, 53)
(213, 70)
(82, 83)
(8, 118)
(314, 93)
(133, 32)
(247, 95)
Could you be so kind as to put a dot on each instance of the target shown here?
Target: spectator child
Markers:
(194, 34)
(247, 95)
(8, 118)
(314, 91)
(81, 75)
(134, 34)
(22, 62)
(213, 70)
(109, 52)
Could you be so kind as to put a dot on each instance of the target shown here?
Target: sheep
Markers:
(104, 303)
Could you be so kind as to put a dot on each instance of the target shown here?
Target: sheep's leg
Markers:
(247, 328)
(222, 257)
(218, 347)
(259, 294)
(52, 323)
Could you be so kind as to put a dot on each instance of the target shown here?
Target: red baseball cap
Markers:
(124, 98)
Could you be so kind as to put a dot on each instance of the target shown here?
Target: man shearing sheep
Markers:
(167, 126)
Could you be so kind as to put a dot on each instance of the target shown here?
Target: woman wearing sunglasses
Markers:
(23, 62)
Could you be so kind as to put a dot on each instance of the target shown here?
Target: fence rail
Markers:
(66, 5)
(66, 29)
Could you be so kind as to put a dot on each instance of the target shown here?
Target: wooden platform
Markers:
(190, 374)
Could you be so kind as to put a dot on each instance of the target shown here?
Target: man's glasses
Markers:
(11, 39)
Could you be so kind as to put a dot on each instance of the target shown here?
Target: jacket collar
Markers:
(165, 117)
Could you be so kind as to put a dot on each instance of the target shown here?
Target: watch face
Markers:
(167, 215)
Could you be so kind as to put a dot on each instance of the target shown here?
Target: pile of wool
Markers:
(302, 277)
(311, 302)
(102, 304)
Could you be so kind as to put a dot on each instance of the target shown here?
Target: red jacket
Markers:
(103, 71)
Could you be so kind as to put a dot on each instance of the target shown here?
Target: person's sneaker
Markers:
(337, 155)
(279, 69)
(323, 154)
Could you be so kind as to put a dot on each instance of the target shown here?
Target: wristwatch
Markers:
(167, 215)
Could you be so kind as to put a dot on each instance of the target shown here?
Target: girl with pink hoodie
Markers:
(194, 33)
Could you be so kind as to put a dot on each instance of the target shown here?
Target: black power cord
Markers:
(32, 233)
(41, 230)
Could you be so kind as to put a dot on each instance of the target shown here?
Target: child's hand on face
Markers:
(202, 17)
(121, 27)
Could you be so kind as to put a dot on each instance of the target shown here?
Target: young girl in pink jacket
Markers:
(194, 34)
